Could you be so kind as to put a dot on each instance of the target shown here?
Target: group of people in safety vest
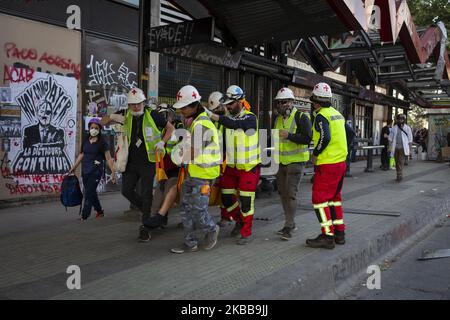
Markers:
(219, 146)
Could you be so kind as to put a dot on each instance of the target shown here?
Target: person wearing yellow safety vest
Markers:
(295, 134)
(202, 156)
(243, 162)
(215, 105)
(329, 155)
(144, 129)
(166, 191)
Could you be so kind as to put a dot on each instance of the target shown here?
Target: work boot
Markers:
(144, 234)
(184, 248)
(211, 238)
(322, 241)
(245, 240)
(339, 237)
(237, 229)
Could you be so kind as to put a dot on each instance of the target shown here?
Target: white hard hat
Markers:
(187, 95)
(285, 94)
(214, 100)
(135, 95)
(322, 90)
(233, 93)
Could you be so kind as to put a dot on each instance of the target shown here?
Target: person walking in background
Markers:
(94, 151)
(385, 142)
(400, 139)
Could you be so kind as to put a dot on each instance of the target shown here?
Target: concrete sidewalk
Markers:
(39, 242)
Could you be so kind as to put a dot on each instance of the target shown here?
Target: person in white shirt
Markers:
(400, 139)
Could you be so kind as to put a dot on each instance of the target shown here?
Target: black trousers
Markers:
(144, 174)
(385, 158)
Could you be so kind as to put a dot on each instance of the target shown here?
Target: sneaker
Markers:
(237, 229)
(100, 214)
(144, 234)
(184, 248)
(322, 241)
(399, 179)
(245, 240)
(211, 238)
(286, 233)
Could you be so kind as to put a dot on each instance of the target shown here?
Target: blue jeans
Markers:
(90, 183)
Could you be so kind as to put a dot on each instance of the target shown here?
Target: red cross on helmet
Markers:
(187, 95)
(322, 90)
(136, 95)
(285, 94)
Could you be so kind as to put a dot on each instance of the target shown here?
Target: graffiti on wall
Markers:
(24, 55)
(437, 134)
(45, 151)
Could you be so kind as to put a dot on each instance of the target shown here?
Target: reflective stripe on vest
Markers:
(206, 164)
(336, 151)
(151, 133)
(242, 150)
(290, 152)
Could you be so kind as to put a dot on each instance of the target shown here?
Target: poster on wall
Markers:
(5, 95)
(10, 121)
(48, 106)
(439, 127)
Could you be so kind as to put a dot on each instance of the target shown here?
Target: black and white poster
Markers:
(48, 106)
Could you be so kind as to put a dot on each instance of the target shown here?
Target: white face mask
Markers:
(138, 113)
(93, 132)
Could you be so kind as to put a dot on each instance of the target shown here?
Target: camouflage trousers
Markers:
(194, 209)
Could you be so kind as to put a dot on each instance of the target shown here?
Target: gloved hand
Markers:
(160, 146)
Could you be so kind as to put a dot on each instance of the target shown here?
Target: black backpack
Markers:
(71, 195)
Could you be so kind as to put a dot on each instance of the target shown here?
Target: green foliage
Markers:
(416, 117)
(427, 12)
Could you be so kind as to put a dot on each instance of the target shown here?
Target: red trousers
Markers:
(327, 199)
(236, 182)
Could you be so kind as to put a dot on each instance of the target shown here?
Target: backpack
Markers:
(71, 195)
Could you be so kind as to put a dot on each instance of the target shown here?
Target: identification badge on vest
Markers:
(149, 132)
(138, 142)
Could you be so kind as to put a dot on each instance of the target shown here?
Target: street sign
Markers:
(180, 34)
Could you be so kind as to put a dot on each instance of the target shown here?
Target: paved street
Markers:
(39, 242)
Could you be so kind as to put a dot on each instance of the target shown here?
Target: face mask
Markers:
(137, 114)
(93, 132)
(287, 112)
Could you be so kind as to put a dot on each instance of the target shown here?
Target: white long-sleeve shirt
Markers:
(405, 139)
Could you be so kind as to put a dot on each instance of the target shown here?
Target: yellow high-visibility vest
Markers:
(336, 151)
(242, 149)
(151, 133)
(206, 164)
(290, 152)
